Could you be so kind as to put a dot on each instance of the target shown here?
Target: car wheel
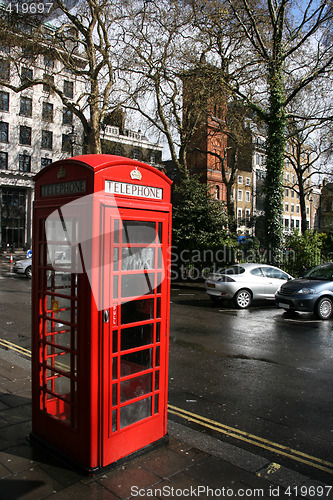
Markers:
(243, 299)
(324, 308)
(28, 272)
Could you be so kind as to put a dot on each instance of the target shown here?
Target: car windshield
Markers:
(324, 272)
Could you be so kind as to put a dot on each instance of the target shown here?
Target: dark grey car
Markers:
(312, 293)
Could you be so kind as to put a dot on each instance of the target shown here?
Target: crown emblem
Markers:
(61, 173)
(136, 174)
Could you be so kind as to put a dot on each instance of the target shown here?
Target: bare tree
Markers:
(84, 40)
(159, 56)
(274, 51)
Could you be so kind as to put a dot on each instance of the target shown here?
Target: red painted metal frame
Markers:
(86, 438)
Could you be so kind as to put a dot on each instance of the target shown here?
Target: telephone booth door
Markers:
(134, 331)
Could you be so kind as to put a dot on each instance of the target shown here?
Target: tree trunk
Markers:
(275, 162)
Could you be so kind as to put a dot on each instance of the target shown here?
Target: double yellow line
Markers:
(252, 439)
(16, 348)
(265, 444)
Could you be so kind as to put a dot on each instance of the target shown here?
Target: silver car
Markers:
(245, 282)
(23, 267)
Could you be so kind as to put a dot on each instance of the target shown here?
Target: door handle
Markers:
(106, 316)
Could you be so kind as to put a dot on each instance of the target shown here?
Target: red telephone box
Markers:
(100, 307)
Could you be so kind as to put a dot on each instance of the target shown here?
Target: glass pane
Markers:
(135, 387)
(59, 384)
(115, 287)
(157, 380)
(61, 410)
(114, 420)
(136, 362)
(136, 285)
(158, 329)
(58, 359)
(114, 368)
(137, 310)
(137, 258)
(138, 232)
(135, 412)
(116, 231)
(137, 336)
(115, 258)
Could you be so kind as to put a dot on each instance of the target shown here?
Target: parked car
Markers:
(245, 282)
(23, 267)
(312, 293)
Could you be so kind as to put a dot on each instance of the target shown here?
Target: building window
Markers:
(292, 224)
(293, 178)
(4, 70)
(3, 160)
(25, 135)
(47, 139)
(247, 196)
(286, 223)
(66, 143)
(49, 80)
(217, 192)
(286, 192)
(292, 208)
(4, 101)
(47, 112)
(286, 207)
(247, 215)
(287, 176)
(307, 211)
(68, 89)
(25, 106)
(48, 62)
(44, 162)
(297, 209)
(4, 127)
(26, 75)
(67, 117)
(240, 179)
(239, 215)
(297, 224)
(292, 193)
(240, 195)
(25, 163)
(247, 181)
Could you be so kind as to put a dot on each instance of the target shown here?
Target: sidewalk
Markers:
(191, 465)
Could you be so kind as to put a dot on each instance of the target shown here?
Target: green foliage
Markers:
(198, 220)
(303, 251)
(326, 240)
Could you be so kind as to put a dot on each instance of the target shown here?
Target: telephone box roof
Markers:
(97, 162)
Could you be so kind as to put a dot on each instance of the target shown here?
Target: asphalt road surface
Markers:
(260, 371)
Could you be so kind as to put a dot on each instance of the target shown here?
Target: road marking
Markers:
(253, 439)
(16, 348)
(247, 437)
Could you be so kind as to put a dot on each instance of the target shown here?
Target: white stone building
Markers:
(35, 130)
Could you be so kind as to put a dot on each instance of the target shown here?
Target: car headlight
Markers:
(307, 291)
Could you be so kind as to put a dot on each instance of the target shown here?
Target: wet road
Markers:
(259, 370)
